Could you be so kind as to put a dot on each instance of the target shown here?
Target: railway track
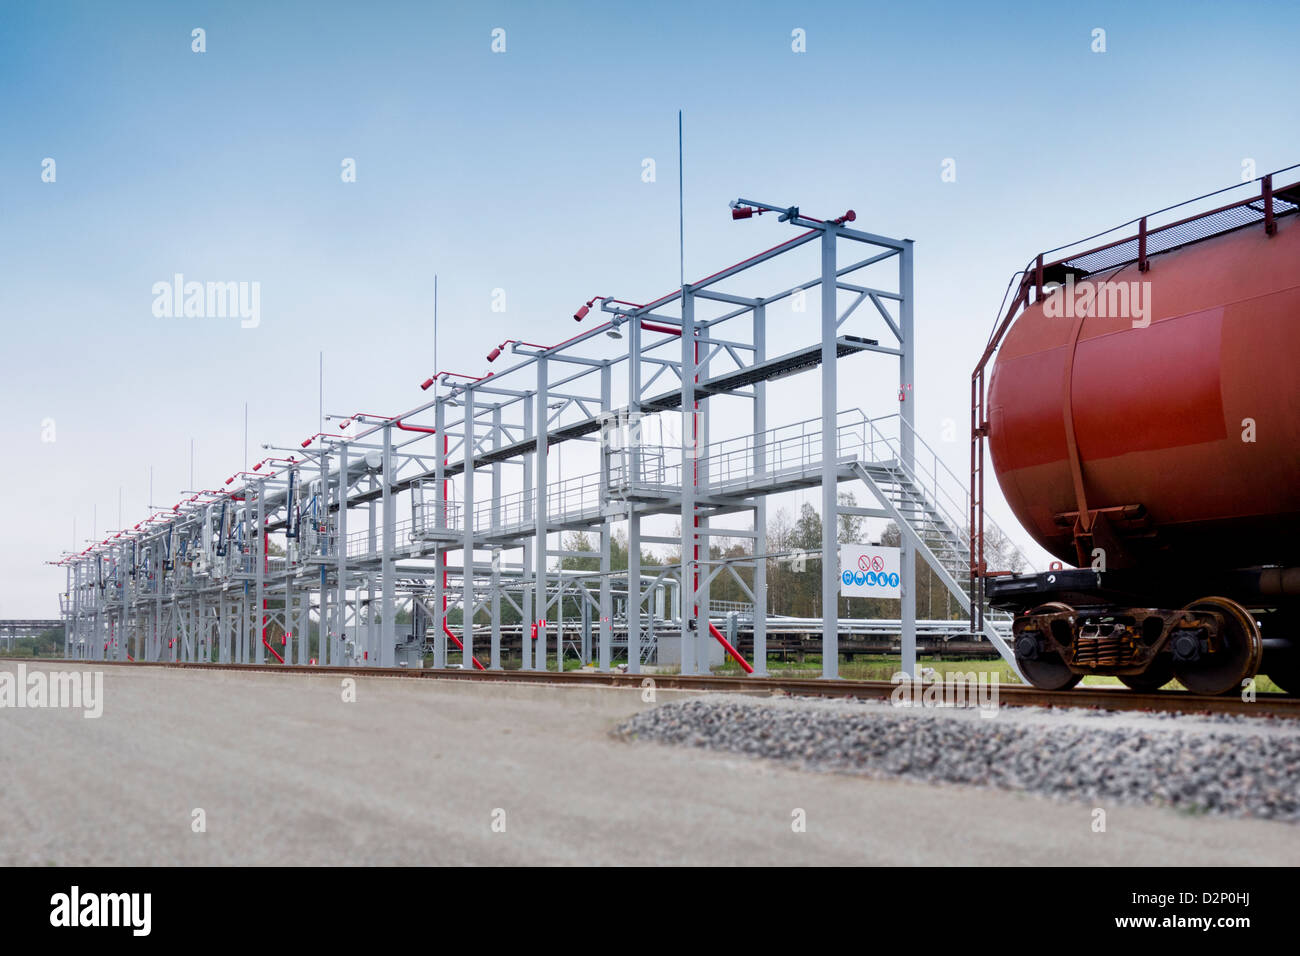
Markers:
(1014, 695)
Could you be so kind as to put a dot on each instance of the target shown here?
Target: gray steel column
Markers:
(760, 501)
(467, 538)
(559, 620)
(689, 566)
(542, 414)
(495, 662)
(634, 591)
(439, 612)
(97, 614)
(71, 619)
(907, 449)
(372, 548)
(242, 650)
(606, 622)
(154, 650)
(246, 614)
(324, 610)
(341, 559)
(287, 642)
(830, 462)
(441, 525)
(356, 620)
(303, 630)
(525, 577)
(704, 569)
(584, 625)
(636, 437)
(260, 576)
(124, 629)
(388, 623)
(294, 601)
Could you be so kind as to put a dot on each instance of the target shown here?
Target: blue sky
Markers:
(522, 171)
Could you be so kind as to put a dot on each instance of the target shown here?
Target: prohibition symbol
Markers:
(877, 563)
(864, 563)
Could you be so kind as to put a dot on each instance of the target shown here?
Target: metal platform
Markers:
(493, 471)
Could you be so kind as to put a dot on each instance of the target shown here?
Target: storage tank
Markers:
(1186, 419)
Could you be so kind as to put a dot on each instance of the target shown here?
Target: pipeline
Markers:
(222, 547)
(414, 428)
(291, 527)
(1279, 581)
(726, 644)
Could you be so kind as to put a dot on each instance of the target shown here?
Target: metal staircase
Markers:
(925, 501)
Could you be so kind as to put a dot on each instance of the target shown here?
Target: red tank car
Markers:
(1143, 420)
(1185, 408)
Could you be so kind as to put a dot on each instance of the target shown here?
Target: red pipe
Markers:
(414, 428)
(269, 474)
(735, 654)
(269, 647)
(361, 416)
(656, 327)
(533, 345)
(456, 640)
(425, 385)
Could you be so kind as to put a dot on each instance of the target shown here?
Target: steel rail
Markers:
(1013, 695)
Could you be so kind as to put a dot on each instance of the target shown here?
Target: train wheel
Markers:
(1160, 673)
(1047, 671)
(1238, 660)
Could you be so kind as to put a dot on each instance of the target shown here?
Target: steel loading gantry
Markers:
(202, 581)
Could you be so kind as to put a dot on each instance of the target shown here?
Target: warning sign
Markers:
(868, 570)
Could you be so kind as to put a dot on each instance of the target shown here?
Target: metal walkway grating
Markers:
(1181, 234)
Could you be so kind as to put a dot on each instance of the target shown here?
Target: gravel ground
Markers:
(1235, 766)
(415, 772)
